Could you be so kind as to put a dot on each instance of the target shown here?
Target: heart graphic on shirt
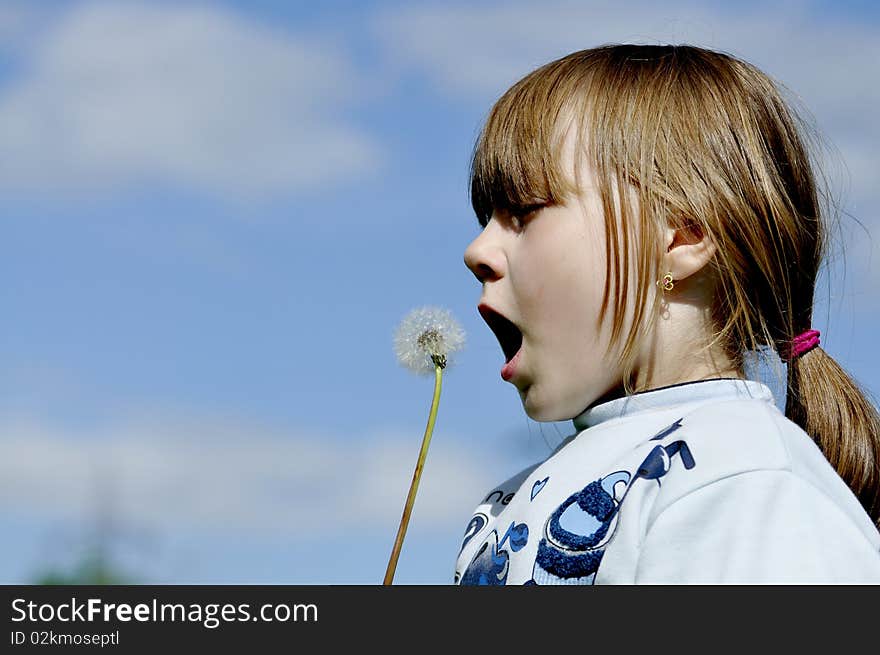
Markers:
(536, 488)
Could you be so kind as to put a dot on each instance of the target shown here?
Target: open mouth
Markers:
(507, 333)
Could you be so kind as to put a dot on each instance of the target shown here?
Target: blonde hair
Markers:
(704, 141)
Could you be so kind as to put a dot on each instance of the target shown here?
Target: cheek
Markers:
(582, 285)
(570, 302)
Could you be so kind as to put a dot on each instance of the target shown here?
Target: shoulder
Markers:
(750, 465)
(756, 527)
(733, 438)
(750, 444)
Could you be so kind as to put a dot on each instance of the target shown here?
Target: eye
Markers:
(515, 216)
(520, 215)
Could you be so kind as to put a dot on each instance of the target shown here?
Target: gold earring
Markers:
(667, 282)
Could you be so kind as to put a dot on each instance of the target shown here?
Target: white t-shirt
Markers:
(699, 483)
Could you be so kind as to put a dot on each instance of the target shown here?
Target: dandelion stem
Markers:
(417, 474)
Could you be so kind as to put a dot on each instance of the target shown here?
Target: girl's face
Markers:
(545, 274)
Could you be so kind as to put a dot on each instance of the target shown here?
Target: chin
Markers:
(546, 412)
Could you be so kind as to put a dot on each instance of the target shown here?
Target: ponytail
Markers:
(831, 408)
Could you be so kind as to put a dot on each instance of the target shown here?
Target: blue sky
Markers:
(216, 213)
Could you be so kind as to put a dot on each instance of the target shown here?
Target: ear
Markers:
(688, 249)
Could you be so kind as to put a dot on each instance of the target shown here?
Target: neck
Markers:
(678, 351)
(681, 347)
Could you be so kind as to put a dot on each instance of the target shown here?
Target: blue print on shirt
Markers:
(491, 563)
(665, 432)
(578, 531)
(538, 486)
(476, 524)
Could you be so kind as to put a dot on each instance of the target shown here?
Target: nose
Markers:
(484, 256)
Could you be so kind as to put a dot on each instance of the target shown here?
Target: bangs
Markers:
(516, 161)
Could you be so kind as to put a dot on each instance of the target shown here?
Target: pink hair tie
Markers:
(802, 343)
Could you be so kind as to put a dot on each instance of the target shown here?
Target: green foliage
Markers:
(93, 569)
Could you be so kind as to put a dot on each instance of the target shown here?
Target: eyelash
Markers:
(519, 214)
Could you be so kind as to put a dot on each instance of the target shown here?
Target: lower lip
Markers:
(509, 369)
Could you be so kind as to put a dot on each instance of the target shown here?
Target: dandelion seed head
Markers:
(425, 335)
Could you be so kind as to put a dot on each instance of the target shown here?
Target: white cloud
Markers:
(175, 473)
(479, 49)
(119, 94)
(474, 52)
(19, 21)
(477, 52)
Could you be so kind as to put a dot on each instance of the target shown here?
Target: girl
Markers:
(650, 223)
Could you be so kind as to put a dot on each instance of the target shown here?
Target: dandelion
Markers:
(425, 341)
(426, 338)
